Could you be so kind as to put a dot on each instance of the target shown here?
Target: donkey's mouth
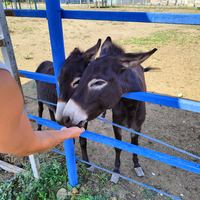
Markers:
(82, 123)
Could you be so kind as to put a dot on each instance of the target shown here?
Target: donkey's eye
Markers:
(75, 82)
(97, 84)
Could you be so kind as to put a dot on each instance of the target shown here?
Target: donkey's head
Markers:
(103, 83)
(70, 74)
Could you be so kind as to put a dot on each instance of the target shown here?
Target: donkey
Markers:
(102, 85)
(68, 78)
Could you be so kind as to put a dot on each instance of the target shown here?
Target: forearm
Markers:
(23, 141)
(46, 140)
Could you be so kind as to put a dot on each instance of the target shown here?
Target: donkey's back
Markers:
(46, 91)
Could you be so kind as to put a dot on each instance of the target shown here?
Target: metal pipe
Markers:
(58, 52)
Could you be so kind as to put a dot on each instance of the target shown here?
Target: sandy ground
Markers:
(179, 72)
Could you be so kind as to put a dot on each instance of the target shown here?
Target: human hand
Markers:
(74, 131)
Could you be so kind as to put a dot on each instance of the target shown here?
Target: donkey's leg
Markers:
(115, 177)
(40, 111)
(137, 167)
(83, 144)
(52, 116)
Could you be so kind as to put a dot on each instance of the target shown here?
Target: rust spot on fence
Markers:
(32, 120)
(21, 75)
(9, 13)
(2, 43)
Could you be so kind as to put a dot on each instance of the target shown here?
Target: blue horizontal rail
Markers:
(148, 153)
(132, 131)
(43, 101)
(168, 18)
(37, 76)
(150, 138)
(26, 13)
(173, 102)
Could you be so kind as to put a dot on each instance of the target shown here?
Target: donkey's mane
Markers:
(76, 51)
(114, 50)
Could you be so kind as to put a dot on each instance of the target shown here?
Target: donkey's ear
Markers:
(105, 45)
(90, 54)
(130, 60)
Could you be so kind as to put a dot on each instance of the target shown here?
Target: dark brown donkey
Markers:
(102, 85)
(68, 79)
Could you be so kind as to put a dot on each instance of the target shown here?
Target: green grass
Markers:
(92, 186)
(24, 186)
(14, 29)
(162, 38)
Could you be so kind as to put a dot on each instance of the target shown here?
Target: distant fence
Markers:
(136, 3)
(40, 4)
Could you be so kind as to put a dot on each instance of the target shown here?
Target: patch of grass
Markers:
(92, 186)
(86, 36)
(24, 186)
(117, 23)
(27, 57)
(162, 38)
(21, 30)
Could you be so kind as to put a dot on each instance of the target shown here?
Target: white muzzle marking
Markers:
(59, 110)
(75, 112)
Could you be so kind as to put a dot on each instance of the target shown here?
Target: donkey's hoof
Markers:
(91, 169)
(139, 171)
(114, 178)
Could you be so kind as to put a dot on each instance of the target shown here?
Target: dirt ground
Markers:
(179, 74)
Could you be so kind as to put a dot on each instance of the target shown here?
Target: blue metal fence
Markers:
(54, 14)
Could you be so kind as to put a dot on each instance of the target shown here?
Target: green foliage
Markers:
(92, 186)
(24, 186)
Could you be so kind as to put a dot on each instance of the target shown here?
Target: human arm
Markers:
(16, 134)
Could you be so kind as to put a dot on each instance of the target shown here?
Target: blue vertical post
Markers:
(53, 10)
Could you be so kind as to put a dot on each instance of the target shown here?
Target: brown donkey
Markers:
(102, 85)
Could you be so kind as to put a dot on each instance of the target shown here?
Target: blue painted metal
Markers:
(56, 36)
(168, 18)
(26, 13)
(71, 162)
(150, 138)
(171, 18)
(132, 131)
(183, 104)
(148, 153)
(58, 53)
(45, 122)
(47, 102)
(37, 76)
